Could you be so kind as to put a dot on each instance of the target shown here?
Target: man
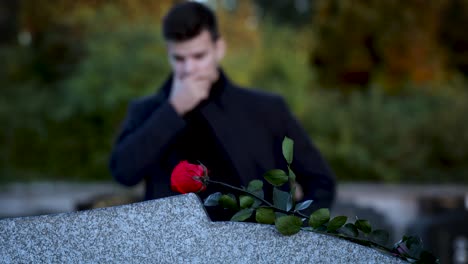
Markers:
(200, 115)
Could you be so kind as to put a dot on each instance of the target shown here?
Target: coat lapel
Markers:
(222, 115)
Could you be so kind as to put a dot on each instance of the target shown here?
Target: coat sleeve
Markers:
(142, 141)
(311, 169)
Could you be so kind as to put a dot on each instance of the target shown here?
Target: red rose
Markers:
(187, 178)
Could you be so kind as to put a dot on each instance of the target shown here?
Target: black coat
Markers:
(248, 125)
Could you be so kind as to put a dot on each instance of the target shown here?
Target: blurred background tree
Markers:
(380, 86)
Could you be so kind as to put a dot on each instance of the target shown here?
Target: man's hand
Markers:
(188, 91)
(299, 192)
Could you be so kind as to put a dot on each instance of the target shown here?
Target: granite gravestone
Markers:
(169, 230)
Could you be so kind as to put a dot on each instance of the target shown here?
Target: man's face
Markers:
(199, 56)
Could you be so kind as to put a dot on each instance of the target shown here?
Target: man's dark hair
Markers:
(188, 19)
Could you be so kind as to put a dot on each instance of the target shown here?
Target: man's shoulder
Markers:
(257, 95)
(255, 102)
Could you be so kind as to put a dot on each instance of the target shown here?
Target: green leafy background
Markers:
(380, 87)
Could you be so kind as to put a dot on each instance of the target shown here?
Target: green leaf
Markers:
(212, 199)
(336, 223)
(228, 201)
(302, 206)
(292, 192)
(292, 175)
(279, 214)
(379, 236)
(321, 229)
(364, 226)
(290, 203)
(281, 199)
(288, 225)
(255, 185)
(276, 177)
(413, 242)
(415, 246)
(319, 217)
(246, 201)
(265, 215)
(242, 215)
(256, 203)
(350, 230)
(258, 193)
(288, 145)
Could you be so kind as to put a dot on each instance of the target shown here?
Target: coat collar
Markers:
(216, 92)
(223, 114)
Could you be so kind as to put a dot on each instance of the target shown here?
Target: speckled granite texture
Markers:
(169, 230)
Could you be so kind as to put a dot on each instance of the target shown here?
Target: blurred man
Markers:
(200, 115)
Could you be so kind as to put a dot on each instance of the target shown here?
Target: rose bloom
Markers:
(187, 178)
